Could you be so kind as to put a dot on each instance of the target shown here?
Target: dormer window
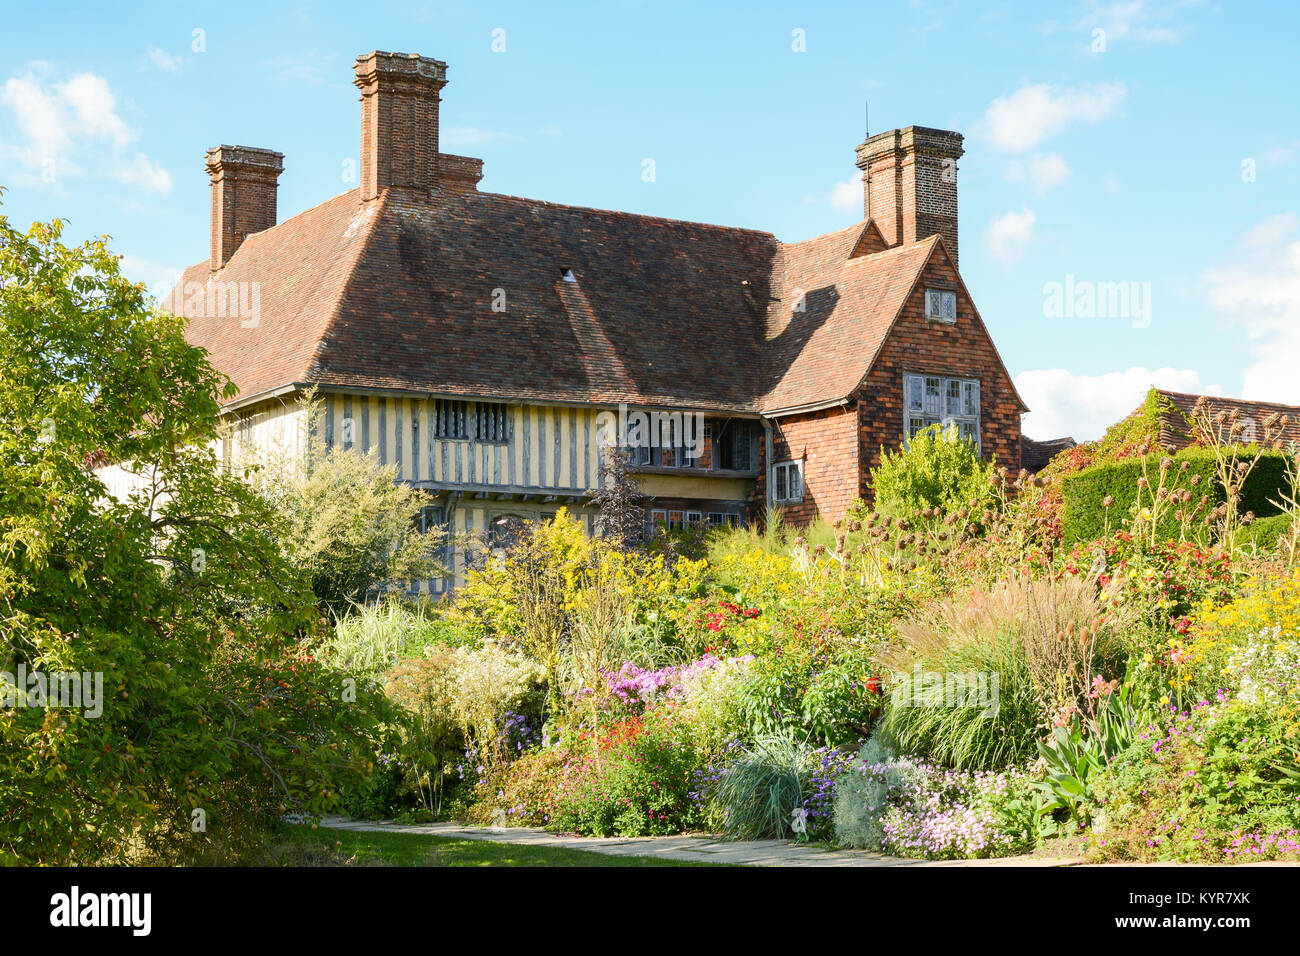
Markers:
(568, 276)
(941, 306)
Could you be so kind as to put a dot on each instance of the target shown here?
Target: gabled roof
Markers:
(399, 294)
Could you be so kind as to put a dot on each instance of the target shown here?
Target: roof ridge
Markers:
(622, 212)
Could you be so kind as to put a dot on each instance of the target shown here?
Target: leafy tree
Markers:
(936, 469)
(348, 522)
(213, 718)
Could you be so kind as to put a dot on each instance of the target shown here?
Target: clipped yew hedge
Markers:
(1084, 516)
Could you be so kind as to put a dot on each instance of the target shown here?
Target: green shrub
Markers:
(935, 470)
(174, 600)
(457, 700)
(1219, 785)
(1265, 533)
(761, 789)
(1085, 515)
(636, 781)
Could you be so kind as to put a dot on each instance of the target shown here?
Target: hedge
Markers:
(1266, 533)
(1084, 516)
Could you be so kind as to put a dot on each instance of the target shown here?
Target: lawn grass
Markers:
(371, 848)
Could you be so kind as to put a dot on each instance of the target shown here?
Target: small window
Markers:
(450, 420)
(492, 423)
(787, 482)
(719, 519)
(694, 518)
(432, 518)
(941, 306)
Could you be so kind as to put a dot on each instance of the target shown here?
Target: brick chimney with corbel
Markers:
(909, 181)
(244, 182)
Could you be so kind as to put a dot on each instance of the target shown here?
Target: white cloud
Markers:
(1133, 19)
(1018, 122)
(1258, 290)
(1009, 235)
(63, 126)
(164, 60)
(145, 174)
(847, 196)
(1084, 406)
(1280, 155)
(94, 107)
(1042, 172)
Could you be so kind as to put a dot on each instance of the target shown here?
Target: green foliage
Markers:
(349, 522)
(817, 686)
(1265, 534)
(936, 470)
(1086, 516)
(371, 638)
(177, 596)
(764, 785)
(1218, 785)
(457, 700)
(636, 782)
(1075, 755)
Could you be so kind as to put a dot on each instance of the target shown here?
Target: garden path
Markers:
(695, 849)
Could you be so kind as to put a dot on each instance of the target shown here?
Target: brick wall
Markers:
(919, 346)
(826, 442)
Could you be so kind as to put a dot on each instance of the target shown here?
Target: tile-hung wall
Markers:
(540, 451)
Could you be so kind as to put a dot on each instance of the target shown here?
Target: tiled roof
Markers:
(1034, 455)
(1175, 431)
(398, 293)
(849, 304)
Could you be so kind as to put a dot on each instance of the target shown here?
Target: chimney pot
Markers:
(909, 182)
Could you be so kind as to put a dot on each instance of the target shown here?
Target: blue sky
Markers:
(1162, 151)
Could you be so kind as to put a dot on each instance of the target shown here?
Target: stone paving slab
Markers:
(695, 849)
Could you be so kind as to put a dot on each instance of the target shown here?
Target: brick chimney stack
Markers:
(399, 121)
(244, 181)
(909, 181)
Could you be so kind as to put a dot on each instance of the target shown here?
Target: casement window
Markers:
(492, 423)
(637, 454)
(735, 446)
(787, 482)
(694, 518)
(669, 518)
(936, 400)
(941, 306)
(673, 452)
(718, 519)
(450, 420)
